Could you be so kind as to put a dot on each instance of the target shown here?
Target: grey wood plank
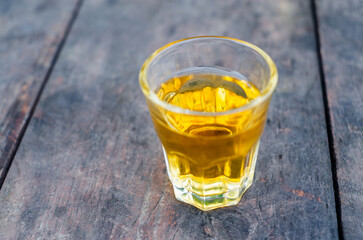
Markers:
(90, 165)
(341, 34)
(30, 34)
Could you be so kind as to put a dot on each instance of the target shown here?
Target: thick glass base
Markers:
(207, 203)
(219, 192)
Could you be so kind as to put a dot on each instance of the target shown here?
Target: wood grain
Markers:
(30, 34)
(341, 34)
(90, 165)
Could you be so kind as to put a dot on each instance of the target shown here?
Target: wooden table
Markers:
(79, 158)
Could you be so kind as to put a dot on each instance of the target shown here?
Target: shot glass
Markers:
(208, 98)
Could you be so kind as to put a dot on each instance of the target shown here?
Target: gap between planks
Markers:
(333, 156)
(41, 89)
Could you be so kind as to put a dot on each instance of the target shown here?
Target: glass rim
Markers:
(152, 96)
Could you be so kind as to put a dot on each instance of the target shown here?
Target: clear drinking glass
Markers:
(208, 98)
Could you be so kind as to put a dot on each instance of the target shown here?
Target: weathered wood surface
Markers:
(90, 165)
(30, 33)
(341, 33)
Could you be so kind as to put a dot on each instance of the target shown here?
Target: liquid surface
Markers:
(207, 92)
(210, 159)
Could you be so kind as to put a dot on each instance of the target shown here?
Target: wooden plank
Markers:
(90, 166)
(30, 34)
(341, 33)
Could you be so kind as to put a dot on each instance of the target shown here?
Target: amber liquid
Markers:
(210, 158)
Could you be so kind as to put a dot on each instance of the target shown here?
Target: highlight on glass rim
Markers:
(208, 98)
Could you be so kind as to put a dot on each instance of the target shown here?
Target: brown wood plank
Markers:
(90, 165)
(30, 35)
(341, 34)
